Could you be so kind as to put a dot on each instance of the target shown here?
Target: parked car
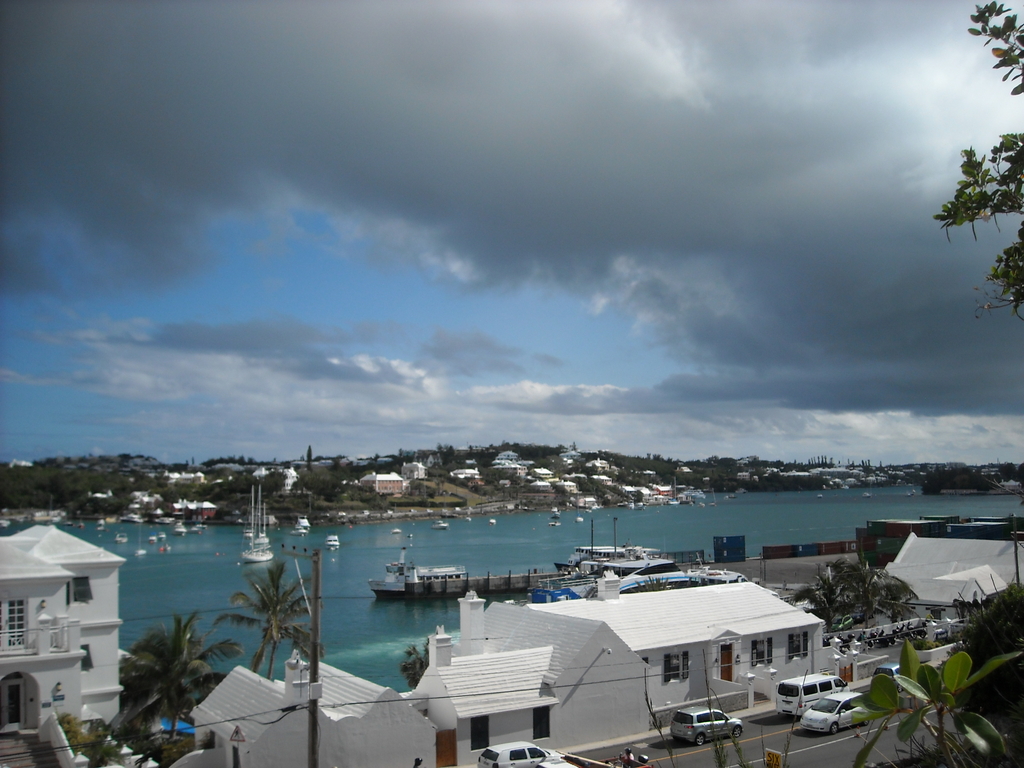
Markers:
(890, 669)
(831, 713)
(798, 693)
(698, 724)
(518, 754)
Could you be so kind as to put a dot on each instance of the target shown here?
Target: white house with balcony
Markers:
(60, 626)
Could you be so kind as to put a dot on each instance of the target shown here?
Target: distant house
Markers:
(387, 483)
(360, 723)
(59, 643)
(466, 474)
(507, 456)
(414, 471)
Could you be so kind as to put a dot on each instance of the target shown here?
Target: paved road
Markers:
(766, 731)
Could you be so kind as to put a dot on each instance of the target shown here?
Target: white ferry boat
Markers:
(408, 580)
(602, 553)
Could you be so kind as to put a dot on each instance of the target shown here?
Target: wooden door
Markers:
(447, 749)
(725, 654)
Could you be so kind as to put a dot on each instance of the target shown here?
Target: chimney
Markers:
(440, 648)
(471, 623)
(296, 679)
(608, 586)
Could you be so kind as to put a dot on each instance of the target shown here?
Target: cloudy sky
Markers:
(685, 228)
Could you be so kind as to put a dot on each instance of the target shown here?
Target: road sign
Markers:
(772, 759)
(236, 735)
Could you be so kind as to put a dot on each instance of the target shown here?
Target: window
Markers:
(676, 666)
(797, 646)
(87, 659)
(13, 634)
(81, 590)
(479, 732)
(756, 652)
(768, 650)
(541, 722)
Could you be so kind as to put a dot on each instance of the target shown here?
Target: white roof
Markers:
(346, 695)
(683, 616)
(980, 583)
(243, 694)
(515, 627)
(55, 546)
(16, 565)
(922, 558)
(497, 682)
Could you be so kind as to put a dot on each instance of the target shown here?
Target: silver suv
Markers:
(698, 724)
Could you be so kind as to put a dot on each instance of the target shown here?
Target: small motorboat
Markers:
(492, 521)
(121, 538)
(439, 525)
(396, 530)
(331, 542)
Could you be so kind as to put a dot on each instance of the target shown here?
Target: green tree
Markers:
(996, 629)
(168, 671)
(415, 664)
(825, 597)
(276, 605)
(934, 701)
(994, 186)
(872, 591)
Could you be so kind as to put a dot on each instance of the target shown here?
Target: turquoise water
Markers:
(367, 637)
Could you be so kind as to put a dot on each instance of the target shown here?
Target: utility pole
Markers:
(315, 686)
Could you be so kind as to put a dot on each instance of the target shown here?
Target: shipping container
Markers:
(890, 545)
(831, 547)
(884, 558)
(730, 542)
(944, 519)
(730, 555)
(877, 527)
(777, 551)
(805, 550)
(868, 543)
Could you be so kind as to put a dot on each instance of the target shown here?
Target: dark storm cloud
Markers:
(756, 191)
(466, 354)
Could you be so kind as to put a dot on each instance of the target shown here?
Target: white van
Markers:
(795, 695)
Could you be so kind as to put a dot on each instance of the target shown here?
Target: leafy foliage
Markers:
(993, 186)
(856, 587)
(275, 605)
(936, 703)
(996, 629)
(168, 671)
(415, 664)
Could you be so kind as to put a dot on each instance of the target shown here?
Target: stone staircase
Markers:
(25, 750)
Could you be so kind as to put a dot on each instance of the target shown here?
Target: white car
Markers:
(831, 713)
(518, 754)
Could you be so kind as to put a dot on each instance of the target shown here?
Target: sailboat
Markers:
(140, 551)
(258, 550)
(714, 501)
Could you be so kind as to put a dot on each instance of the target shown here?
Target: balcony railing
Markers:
(30, 642)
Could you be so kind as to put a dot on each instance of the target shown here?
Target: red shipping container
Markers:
(868, 543)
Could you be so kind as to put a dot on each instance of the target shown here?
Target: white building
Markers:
(947, 572)
(414, 471)
(578, 671)
(360, 723)
(59, 642)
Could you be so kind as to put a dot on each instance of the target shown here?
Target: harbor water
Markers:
(367, 637)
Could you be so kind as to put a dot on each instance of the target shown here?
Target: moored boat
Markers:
(258, 549)
(439, 525)
(331, 542)
(407, 580)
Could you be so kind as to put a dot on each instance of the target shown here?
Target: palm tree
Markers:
(415, 664)
(168, 671)
(825, 598)
(276, 605)
(873, 590)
